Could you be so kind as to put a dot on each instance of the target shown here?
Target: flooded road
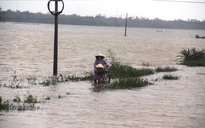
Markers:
(28, 49)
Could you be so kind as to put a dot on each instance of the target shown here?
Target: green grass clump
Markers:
(125, 76)
(118, 70)
(17, 104)
(46, 82)
(17, 99)
(128, 83)
(30, 99)
(199, 37)
(170, 77)
(192, 57)
(4, 105)
(86, 76)
(194, 63)
(59, 79)
(166, 69)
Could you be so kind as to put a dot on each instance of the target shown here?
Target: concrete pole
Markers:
(126, 26)
(55, 63)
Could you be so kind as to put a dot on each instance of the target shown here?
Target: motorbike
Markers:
(103, 76)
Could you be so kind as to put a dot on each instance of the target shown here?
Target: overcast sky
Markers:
(151, 9)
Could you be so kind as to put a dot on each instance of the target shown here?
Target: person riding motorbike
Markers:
(99, 65)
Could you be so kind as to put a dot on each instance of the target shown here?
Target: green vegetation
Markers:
(199, 37)
(192, 57)
(166, 69)
(85, 76)
(126, 71)
(99, 20)
(4, 105)
(49, 81)
(118, 70)
(194, 63)
(146, 64)
(32, 80)
(59, 79)
(17, 104)
(30, 99)
(128, 83)
(125, 76)
(170, 77)
(27, 103)
(17, 99)
(15, 83)
(122, 77)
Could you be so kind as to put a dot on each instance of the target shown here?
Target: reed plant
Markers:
(192, 57)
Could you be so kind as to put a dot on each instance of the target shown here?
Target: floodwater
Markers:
(28, 50)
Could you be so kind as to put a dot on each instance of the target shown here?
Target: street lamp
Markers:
(55, 13)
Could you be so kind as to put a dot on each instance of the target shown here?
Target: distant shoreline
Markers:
(100, 20)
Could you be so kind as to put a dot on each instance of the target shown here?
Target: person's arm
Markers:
(94, 64)
(107, 63)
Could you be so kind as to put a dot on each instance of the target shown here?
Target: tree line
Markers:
(99, 20)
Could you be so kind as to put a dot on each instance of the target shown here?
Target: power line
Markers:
(196, 2)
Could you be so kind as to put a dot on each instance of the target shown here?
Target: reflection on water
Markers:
(28, 49)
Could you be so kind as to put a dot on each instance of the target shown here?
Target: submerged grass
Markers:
(199, 37)
(125, 76)
(170, 77)
(128, 83)
(84, 77)
(166, 69)
(125, 71)
(118, 70)
(60, 79)
(4, 105)
(194, 63)
(122, 76)
(29, 103)
(30, 99)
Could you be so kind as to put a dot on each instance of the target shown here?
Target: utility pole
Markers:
(126, 25)
(55, 13)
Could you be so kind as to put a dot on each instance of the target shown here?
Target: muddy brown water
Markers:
(28, 50)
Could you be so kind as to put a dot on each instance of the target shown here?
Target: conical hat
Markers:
(99, 55)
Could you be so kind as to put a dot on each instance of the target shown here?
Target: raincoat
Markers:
(99, 61)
